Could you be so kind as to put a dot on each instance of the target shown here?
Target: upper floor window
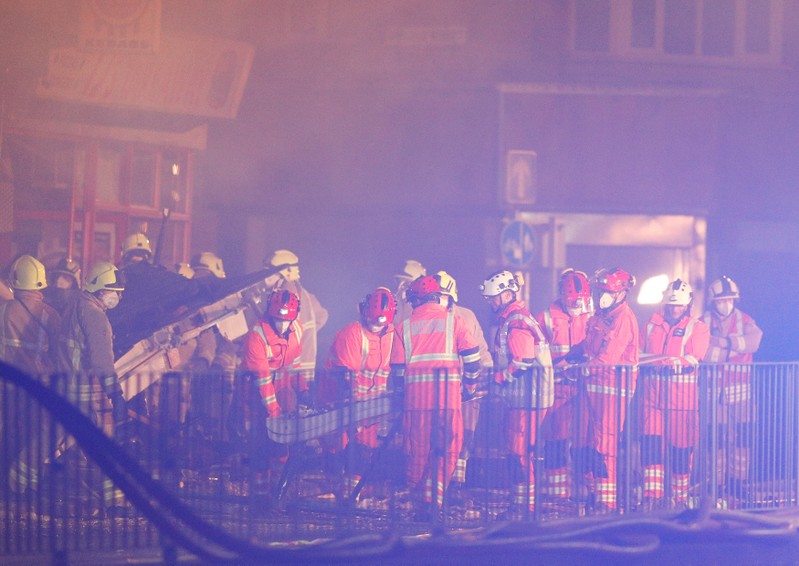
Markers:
(744, 31)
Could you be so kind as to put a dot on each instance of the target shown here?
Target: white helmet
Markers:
(27, 274)
(285, 257)
(447, 284)
(499, 282)
(411, 271)
(104, 276)
(210, 262)
(724, 288)
(136, 242)
(679, 293)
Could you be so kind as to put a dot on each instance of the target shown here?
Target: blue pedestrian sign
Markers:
(518, 244)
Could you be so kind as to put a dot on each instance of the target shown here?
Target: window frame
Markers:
(621, 34)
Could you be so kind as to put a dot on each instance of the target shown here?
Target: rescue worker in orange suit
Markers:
(313, 315)
(29, 340)
(607, 383)
(520, 347)
(271, 352)
(436, 355)
(734, 339)
(471, 405)
(564, 324)
(676, 342)
(411, 271)
(357, 368)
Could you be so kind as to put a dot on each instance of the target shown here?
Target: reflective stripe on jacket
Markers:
(265, 353)
(520, 345)
(430, 344)
(29, 332)
(366, 355)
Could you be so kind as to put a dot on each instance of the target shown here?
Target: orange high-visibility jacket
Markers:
(433, 339)
(561, 330)
(611, 339)
(312, 317)
(477, 331)
(366, 355)
(518, 342)
(682, 346)
(266, 353)
(742, 333)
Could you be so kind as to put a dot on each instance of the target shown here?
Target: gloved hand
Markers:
(572, 373)
(119, 408)
(719, 342)
(576, 355)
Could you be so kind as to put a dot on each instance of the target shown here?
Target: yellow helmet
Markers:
(27, 273)
(184, 269)
(290, 259)
(136, 242)
(210, 262)
(104, 276)
(411, 271)
(447, 284)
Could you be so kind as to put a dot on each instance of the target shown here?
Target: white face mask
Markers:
(110, 300)
(575, 311)
(606, 300)
(724, 308)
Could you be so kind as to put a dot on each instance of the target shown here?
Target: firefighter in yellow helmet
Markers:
(86, 355)
(154, 295)
(208, 264)
(29, 325)
(136, 248)
(313, 315)
(86, 343)
(29, 330)
(213, 363)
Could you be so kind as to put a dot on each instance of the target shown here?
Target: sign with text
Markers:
(202, 76)
(132, 26)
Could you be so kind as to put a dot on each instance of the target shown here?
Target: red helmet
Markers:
(379, 307)
(283, 305)
(574, 289)
(613, 280)
(422, 287)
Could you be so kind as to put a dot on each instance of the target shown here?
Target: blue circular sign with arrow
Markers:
(518, 244)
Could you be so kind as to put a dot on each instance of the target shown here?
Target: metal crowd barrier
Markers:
(198, 455)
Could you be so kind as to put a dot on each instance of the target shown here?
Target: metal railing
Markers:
(199, 467)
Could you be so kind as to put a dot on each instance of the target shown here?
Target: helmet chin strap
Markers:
(616, 300)
(502, 304)
(281, 326)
